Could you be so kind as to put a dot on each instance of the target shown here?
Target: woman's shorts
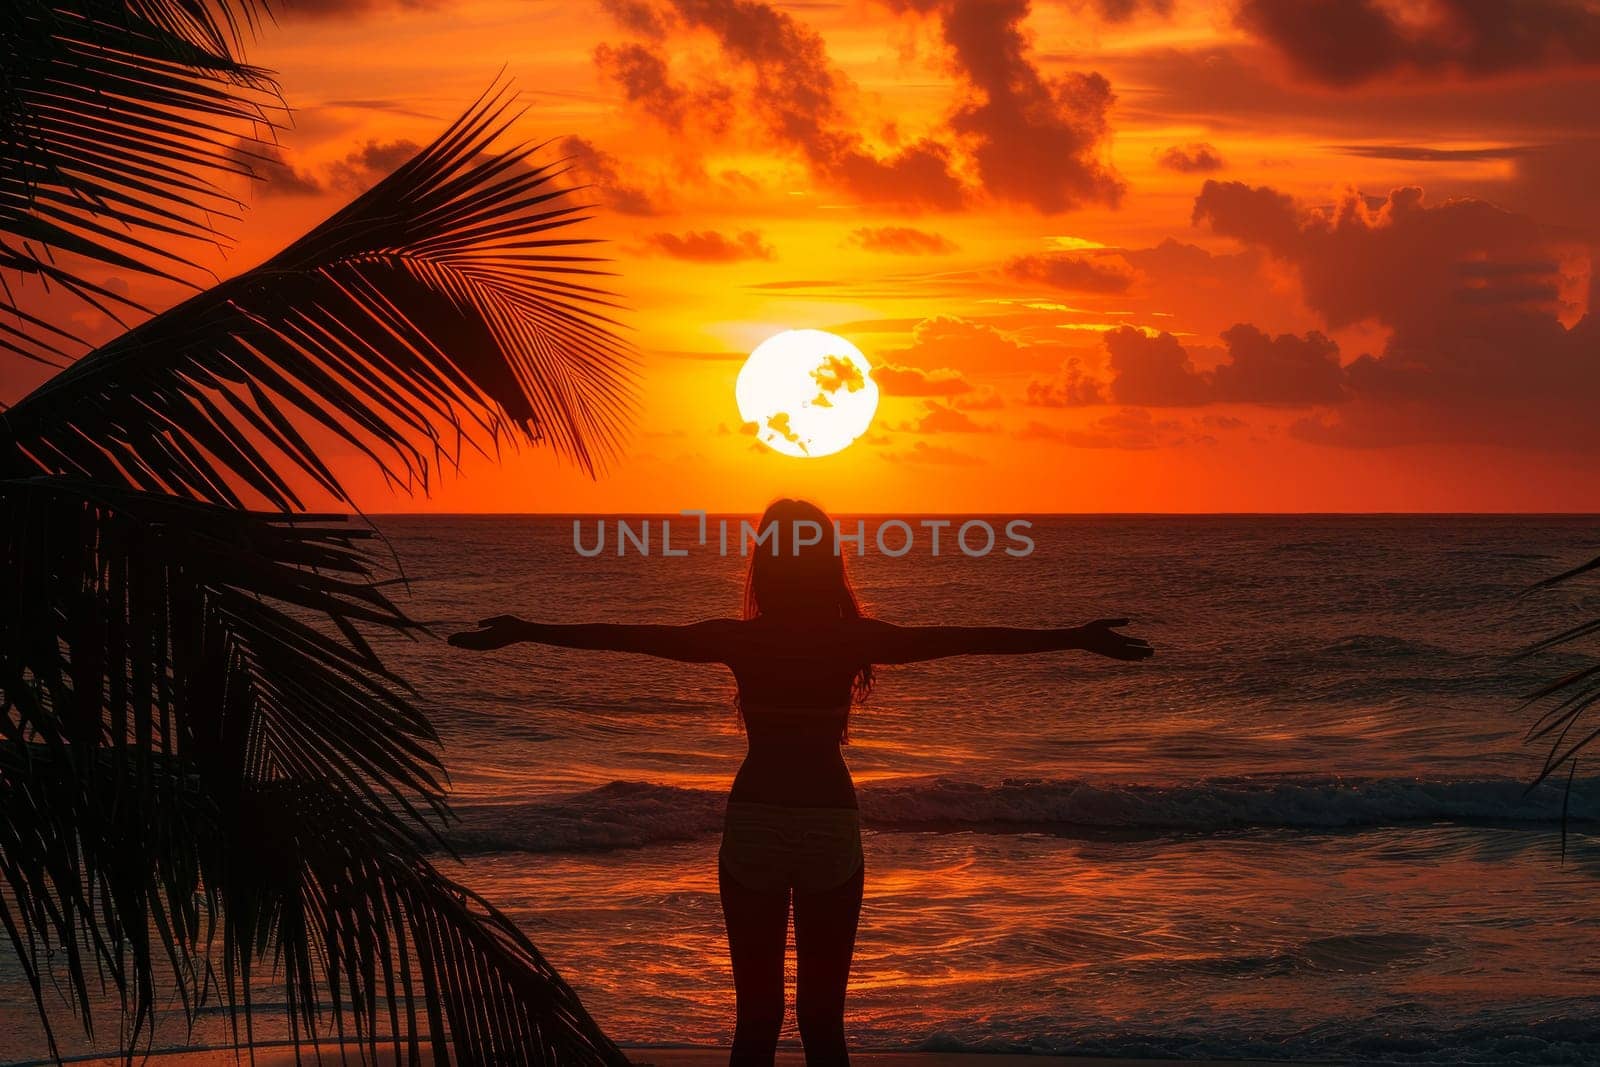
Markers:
(775, 846)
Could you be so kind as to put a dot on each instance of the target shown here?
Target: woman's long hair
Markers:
(788, 576)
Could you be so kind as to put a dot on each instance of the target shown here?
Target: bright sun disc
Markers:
(808, 392)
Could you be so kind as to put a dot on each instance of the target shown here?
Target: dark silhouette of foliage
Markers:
(1564, 723)
(207, 772)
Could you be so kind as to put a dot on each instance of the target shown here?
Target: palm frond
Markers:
(1569, 698)
(114, 117)
(453, 294)
(1567, 575)
(208, 775)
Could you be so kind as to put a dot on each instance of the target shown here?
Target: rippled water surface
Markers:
(1301, 831)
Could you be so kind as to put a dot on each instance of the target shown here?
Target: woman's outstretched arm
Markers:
(699, 642)
(887, 643)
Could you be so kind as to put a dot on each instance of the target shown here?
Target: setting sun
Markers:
(809, 393)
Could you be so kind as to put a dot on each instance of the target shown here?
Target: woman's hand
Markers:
(1101, 638)
(496, 632)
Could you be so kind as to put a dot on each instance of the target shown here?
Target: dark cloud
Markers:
(641, 72)
(275, 175)
(1194, 158)
(393, 107)
(1557, 181)
(1397, 260)
(1030, 138)
(1491, 332)
(793, 92)
(1210, 290)
(369, 164)
(973, 347)
(1157, 371)
(1080, 274)
(600, 169)
(1035, 139)
(1073, 387)
(901, 240)
(1178, 262)
(1153, 370)
(1123, 10)
(1286, 369)
(709, 246)
(637, 16)
(1236, 88)
(1421, 154)
(895, 380)
(362, 168)
(1348, 42)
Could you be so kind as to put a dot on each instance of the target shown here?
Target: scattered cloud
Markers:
(275, 174)
(1072, 387)
(789, 86)
(369, 164)
(1286, 369)
(1397, 259)
(1080, 274)
(901, 240)
(642, 73)
(1155, 370)
(600, 169)
(1123, 10)
(359, 170)
(1152, 370)
(1196, 157)
(834, 374)
(1490, 327)
(1420, 154)
(1026, 137)
(1036, 139)
(1349, 42)
(709, 246)
(1260, 369)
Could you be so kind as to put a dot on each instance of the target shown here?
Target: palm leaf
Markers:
(208, 776)
(452, 294)
(1568, 699)
(114, 117)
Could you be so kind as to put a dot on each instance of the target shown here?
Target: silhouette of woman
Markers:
(802, 656)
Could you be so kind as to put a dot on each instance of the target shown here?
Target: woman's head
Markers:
(797, 572)
(794, 570)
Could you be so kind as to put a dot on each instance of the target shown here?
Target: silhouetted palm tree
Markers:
(207, 774)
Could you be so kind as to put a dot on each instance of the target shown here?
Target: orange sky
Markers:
(1120, 255)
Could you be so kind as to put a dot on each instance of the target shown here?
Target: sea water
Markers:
(1302, 830)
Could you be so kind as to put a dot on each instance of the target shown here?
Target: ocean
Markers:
(1301, 831)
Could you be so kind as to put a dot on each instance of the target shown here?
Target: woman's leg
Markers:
(824, 939)
(758, 932)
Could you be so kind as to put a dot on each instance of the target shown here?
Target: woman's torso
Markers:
(794, 695)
